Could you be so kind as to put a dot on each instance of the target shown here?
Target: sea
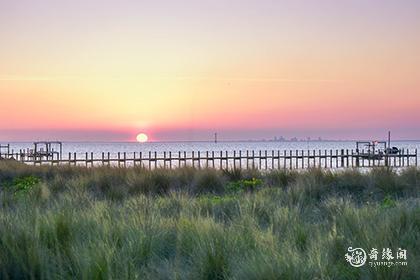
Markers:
(97, 148)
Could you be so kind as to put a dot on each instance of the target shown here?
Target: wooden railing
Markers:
(274, 159)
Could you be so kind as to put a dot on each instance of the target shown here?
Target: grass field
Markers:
(110, 223)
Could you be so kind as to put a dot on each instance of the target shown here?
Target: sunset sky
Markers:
(102, 70)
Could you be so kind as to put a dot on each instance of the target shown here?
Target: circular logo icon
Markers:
(356, 257)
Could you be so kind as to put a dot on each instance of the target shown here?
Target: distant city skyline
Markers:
(181, 70)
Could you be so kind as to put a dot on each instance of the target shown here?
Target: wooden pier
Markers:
(263, 160)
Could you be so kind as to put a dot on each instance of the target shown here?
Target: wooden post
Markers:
(302, 159)
(247, 159)
(325, 159)
(272, 159)
(408, 157)
(347, 158)
(284, 159)
(156, 160)
(265, 159)
(164, 159)
(309, 157)
(331, 158)
(336, 158)
(140, 159)
(319, 159)
(357, 158)
(290, 159)
(150, 160)
(227, 160)
(401, 158)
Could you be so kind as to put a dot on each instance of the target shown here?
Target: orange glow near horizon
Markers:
(311, 71)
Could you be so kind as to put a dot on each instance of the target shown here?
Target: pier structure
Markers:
(243, 159)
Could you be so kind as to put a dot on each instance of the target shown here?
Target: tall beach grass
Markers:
(130, 223)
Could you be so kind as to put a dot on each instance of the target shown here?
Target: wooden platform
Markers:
(263, 160)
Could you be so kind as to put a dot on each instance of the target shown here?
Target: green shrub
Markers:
(244, 185)
(388, 202)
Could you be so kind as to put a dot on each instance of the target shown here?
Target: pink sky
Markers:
(182, 70)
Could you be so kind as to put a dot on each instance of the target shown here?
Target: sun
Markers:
(142, 138)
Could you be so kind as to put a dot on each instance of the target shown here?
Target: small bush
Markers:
(385, 180)
(388, 202)
(281, 178)
(209, 181)
(154, 182)
(244, 185)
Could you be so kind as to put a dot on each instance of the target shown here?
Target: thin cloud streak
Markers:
(228, 79)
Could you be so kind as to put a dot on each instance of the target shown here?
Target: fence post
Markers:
(272, 159)
(240, 159)
(156, 162)
(291, 159)
(357, 158)
(140, 159)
